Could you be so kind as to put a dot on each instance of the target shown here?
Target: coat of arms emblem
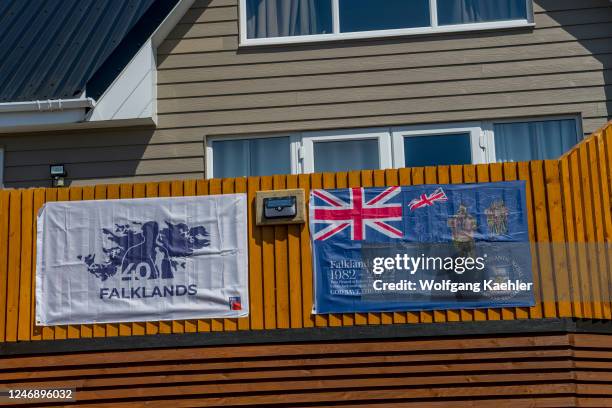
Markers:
(497, 218)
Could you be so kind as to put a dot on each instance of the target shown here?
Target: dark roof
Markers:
(50, 49)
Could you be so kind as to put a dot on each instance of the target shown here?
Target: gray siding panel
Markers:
(207, 85)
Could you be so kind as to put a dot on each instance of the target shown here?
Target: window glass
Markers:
(282, 18)
(346, 155)
(367, 15)
(522, 141)
(434, 150)
(479, 11)
(251, 157)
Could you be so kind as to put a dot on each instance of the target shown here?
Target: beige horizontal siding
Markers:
(207, 85)
(561, 66)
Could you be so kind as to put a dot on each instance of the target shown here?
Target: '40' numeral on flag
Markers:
(357, 213)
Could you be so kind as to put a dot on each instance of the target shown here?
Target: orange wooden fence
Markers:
(568, 203)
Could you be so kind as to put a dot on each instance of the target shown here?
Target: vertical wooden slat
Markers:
(431, 177)
(125, 191)
(306, 260)
(269, 278)
(354, 180)
(88, 193)
(164, 189)
(4, 247)
(607, 153)
(570, 236)
(176, 190)
(599, 220)
(582, 263)
(74, 331)
(367, 180)
(255, 260)
(203, 325)
(535, 312)
(482, 176)
(39, 199)
(25, 279)
(99, 330)
(348, 319)
(320, 320)
(14, 261)
(139, 190)
(392, 179)
(112, 193)
(557, 237)
(228, 187)
(444, 178)
(215, 187)
(281, 269)
(405, 179)
(496, 174)
(588, 208)
(510, 171)
(329, 182)
(604, 168)
(418, 178)
(295, 270)
(61, 332)
(379, 181)
(240, 186)
(546, 281)
(150, 191)
(468, 175)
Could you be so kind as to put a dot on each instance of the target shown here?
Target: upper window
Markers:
(288, 18)
(285, 21)
(480, 11)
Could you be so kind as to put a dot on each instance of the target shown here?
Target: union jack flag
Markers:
(428, 200)
(357, 214)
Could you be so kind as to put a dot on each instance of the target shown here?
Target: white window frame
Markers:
(382, 135)
(472, 128)
(489, 134)
(337, 35)
(294, 147)
(390, 141)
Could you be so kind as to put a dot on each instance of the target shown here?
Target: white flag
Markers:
(142, 260)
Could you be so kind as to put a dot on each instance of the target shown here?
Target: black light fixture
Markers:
(58, 172)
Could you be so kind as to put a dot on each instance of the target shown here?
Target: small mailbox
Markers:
(278, 207)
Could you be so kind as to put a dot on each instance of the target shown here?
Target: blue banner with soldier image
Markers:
(427, 247)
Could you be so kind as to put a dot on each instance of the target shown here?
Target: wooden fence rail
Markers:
(568, 202)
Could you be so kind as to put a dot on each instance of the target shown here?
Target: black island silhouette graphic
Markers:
(144, 251)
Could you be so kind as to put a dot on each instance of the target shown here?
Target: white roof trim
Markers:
(133, 94)
(130, 100)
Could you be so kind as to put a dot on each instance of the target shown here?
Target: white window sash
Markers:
(382, 135)
(294, 150)
(472, 128)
